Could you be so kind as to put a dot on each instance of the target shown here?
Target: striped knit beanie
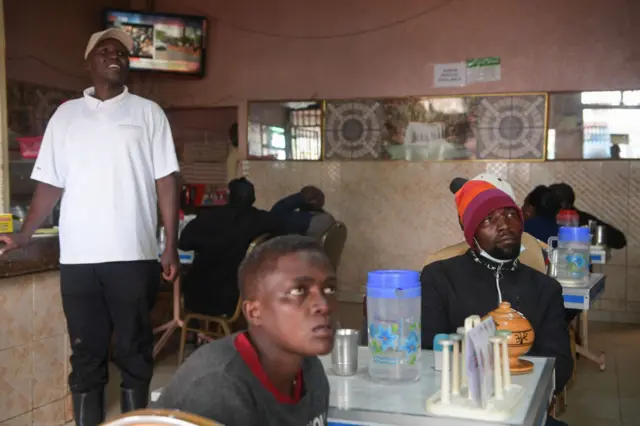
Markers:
(475, 201)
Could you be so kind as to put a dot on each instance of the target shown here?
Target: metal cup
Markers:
(601, 236)
(344, 358)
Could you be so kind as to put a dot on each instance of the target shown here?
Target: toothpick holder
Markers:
(454, 399)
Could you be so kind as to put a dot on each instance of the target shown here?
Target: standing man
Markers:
(110, 157)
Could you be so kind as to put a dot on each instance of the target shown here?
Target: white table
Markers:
(599, 255)
(582, 298)
(358, 401)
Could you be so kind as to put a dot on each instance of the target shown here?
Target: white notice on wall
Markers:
(450, 75)
(482, 70)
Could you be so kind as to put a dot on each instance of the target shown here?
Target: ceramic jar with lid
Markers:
(520, 339)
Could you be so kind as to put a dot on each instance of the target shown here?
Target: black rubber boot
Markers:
(133, 399)
(88, 408)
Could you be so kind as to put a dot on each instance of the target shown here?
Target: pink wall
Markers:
(202, 142)
(46, 39)
(545, 45)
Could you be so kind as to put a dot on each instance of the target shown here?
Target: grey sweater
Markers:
(216, 383)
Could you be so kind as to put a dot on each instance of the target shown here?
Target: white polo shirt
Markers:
(107, 157)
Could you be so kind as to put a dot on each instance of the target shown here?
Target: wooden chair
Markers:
(215, 327)
(151, 417)
(333, 243)
(531, 256)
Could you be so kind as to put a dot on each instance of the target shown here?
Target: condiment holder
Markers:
(454, 398)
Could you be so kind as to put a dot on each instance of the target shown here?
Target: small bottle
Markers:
(161, 240)
(568, 217)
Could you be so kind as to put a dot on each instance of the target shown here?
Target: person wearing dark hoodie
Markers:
(476, 282)
(615, 238)
(303, 213)
(540, 209)
(220, 237)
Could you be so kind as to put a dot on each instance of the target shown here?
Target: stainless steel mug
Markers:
(344, 358)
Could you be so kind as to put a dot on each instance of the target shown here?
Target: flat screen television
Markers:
(163, 42)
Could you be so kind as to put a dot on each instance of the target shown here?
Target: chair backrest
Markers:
(532, 255)
(333, 243)
(257, 241)
(154, 417)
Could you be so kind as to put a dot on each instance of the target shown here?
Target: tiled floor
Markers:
(609, 398)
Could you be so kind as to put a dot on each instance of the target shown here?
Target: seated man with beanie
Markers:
(269, 375)
(476, 282)
(533, 251)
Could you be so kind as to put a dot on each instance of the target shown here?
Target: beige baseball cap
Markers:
(111, 33)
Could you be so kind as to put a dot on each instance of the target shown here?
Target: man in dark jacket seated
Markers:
(303, 213)
(220, 237)
(615, 238)
(476, 282)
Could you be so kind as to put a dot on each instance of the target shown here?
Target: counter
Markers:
(34, 345)
(40, 255)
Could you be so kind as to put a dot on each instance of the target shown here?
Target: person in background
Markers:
(220, 237)
(476, 282)
(540, 209)
(303, 213)
(564, 192)
(615, 152)
(110, 157)
(268, 375)
(232, 154)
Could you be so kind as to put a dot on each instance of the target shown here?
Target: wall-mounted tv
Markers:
(163, 42)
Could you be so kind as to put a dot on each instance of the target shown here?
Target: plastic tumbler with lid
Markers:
(573, 255)
(394, 323)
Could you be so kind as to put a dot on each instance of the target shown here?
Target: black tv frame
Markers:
(203, 58)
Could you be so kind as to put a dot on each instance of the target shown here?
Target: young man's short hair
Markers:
(264, 258)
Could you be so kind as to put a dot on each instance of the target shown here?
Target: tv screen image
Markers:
(165, 43)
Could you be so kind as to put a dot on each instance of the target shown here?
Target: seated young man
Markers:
(268, 375)
(476, 282)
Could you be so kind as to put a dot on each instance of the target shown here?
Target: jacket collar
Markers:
(494, 266)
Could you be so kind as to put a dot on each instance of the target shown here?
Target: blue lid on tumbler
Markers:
(394, 284)
(574, 234)
(437, 346)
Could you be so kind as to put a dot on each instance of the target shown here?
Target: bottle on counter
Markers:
(162, 238)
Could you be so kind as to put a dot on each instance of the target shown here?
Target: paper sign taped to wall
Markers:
(480, 70)
(450, 75)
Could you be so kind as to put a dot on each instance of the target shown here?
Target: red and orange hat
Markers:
(475, 201)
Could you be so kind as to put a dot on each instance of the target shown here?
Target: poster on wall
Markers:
(481, 70)
(450, 75)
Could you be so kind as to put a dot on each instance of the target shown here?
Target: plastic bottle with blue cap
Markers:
(394, 323)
